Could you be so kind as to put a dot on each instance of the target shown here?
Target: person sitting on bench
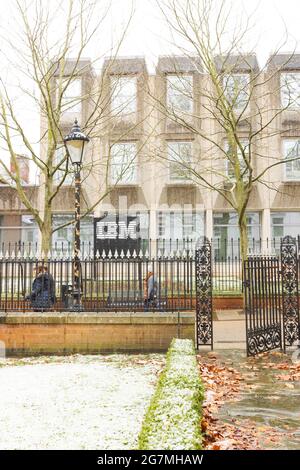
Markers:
(42, 296)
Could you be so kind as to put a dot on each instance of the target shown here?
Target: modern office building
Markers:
(128, 146)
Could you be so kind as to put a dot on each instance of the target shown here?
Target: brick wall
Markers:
(89, 333)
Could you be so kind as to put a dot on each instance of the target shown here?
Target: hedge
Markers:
(173, 418)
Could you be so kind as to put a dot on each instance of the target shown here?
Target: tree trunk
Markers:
(46, 232)
(46, 229)
(243, 237)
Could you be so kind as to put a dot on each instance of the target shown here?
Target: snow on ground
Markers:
(80, 402)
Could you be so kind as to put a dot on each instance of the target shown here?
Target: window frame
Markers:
(67, 217)
(285, 177)
(166, 226)
(69, 180)
(134, 99)
(122, 181)
(180, 179)
(76, 108)
(284, 225)
(189, 99)
(293, 106)
(228, 163)
(236, 106)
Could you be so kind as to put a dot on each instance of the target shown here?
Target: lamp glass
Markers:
(76, 150)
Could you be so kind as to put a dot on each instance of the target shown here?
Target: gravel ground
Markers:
(80, 402)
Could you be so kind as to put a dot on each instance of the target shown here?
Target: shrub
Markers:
(173, 418)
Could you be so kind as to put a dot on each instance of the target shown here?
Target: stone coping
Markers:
(134, 318)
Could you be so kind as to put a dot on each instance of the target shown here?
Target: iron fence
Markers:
(226, 260)
(107, 284)
(223, 248)
(272, 299)
(111, 278)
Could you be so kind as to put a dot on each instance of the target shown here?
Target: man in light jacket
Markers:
(150, 290)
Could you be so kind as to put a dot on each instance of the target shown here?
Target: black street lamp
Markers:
(76, 143)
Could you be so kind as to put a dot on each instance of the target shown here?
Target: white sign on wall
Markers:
(116, 230)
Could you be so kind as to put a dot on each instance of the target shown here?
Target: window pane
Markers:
(236, 88)
(290, 89)
(64, 237)
(123, 163)
(226, 233)
(71, 99)
(180, 229)
(30, 231)
(292, 150)
(243, 165)
(124, 90)
(285, 223)
(180, 92)
(60, 158)
(179, 156)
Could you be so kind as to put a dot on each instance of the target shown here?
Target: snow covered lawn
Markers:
(77, 402)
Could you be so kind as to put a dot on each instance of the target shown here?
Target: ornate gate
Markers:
(271, 299)
(290, 294)
(204, 323)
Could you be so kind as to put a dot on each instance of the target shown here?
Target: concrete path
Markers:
(229, 330)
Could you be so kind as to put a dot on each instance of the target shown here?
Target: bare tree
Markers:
(235, 96)
(49, 33)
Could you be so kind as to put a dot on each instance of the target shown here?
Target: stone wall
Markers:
(61, 333)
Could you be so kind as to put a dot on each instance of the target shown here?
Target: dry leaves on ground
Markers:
(291, 370)
(223, 383)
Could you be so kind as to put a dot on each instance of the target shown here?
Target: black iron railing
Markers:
(107, 284)
(222, 248)
(271, 286)
(111, 279)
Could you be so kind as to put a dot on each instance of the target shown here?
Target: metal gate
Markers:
(272, 300)
(204, 322)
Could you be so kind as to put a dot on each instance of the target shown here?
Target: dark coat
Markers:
(43, 292)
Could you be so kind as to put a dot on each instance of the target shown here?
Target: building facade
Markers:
(134, 151)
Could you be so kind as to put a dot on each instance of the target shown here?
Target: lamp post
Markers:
(76, 143)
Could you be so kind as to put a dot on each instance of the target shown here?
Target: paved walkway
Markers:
(229, 330)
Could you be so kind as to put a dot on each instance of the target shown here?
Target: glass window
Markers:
(29, 231)
(290, 89)
(179, 156)
(291, 148)
(124, 95)
(64, 167)
(284, 223)
(123, 163)
(179, 230)
(63, 238)
(71, 98)
(243, 165)
(236, 88)
(226, 233)
(180, 92)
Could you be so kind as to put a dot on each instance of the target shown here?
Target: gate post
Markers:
(290, 294)
(204, 324)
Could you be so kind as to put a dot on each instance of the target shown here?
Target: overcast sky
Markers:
(148, 36)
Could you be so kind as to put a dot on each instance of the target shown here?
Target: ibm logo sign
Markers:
(114, 230)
